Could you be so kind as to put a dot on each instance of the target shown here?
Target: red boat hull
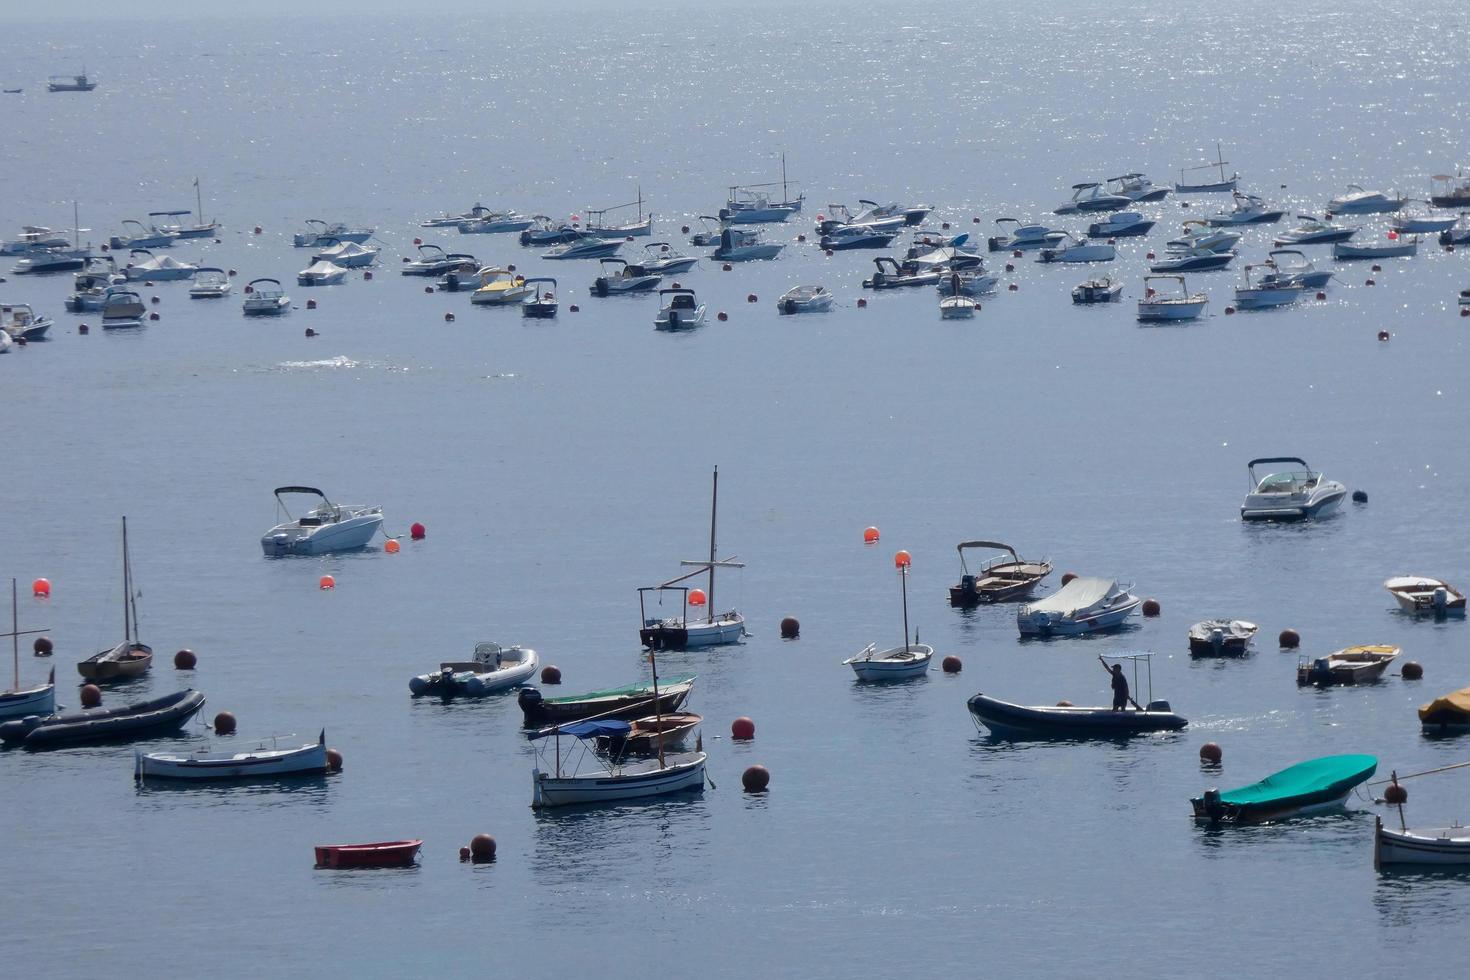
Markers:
(386, 854)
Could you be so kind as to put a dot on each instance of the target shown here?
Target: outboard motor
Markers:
(1441, 599)
(788, 307)
(1217, 640)
(1321, 671)
(967, 583)
(1214, 809)
(446, 683)
(1159, 706)
(530, 700)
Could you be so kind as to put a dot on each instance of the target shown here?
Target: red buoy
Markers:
(1229, 310)
(551, 674)
(224, 723)
(870, 535)
(326, 582)
(1210, 754)
(311, 304)
(1149, 256)
(752, 298)
(82, 329)
(1017, 254)
(42, 647)
(185, 660)
(790, 628)
(684, 229)
(801, 238)
(756, 779)
(727, 267)
(1377, 268)
(41, 588)
(482, 848)
(449, 318)
(1290, 639)
(827, 252)
(862, 304)
(1068, 576)
(91, 696)
(1151, 607)
(975, 220)
(1395, 795)
(334, 760)
(952, 664)
(417, 531)
(1412, 671)
(418, 241)
(742, 729)
(257, 229)
(574, 308)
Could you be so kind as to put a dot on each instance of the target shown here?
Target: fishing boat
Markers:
(744, 245)
(262, 762)
(1256, 292)
(1071, 249)
(1289, 495)
(1422, 594)
(1101, 290)
(500, 287)
(663, 258)
(896, 663)
(679, 309)
(651, 735)
(201, 228)
(1447, 715)
(1064, 720)
(1437, 847)
(1356, 200)
(1160, 304)
(321, 234)
(156, 268)
(541, 302)
(618, 278)
(612, 781)
(1123, 224)
(20, 702)
(322, 272)
(1192, 260)
(1450, 191)
(1315, 786)
(1091, 197)
(20, 322)
(957, 306)
(384, 854)
(1086, 604)
(1190, 184)
(130, 658)
(1397, 247)
(1002, 577)
(264, 297)
(351, 255)
(754, 204)
(434, 261)
(145, 719)
(599, 225)
(1422, 222)
(1221, 638)
(679, 632)
(804, 299)
(1315, 231)
(585, 247)
(1137, 188)
(1020, 237)
(137, 235)
(210, 283)
(326, 528)
(122, 309)
(496, 223)
(1248, 209)
(624, 703)
(491, 669)
(70, 83)
(1350, 665)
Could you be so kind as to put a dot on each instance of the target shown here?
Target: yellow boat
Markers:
(500, 287)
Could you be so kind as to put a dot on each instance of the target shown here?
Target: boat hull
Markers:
(540, 712)
(1069, 626)
(876, 669)
(1005, 720)
(686, 636)
(1290, 508)
(389, 854)
(142, 720)
(31, 701)
(110, 666)
(1444, 847)
(347, 535)
(307, 760)
(681, 772)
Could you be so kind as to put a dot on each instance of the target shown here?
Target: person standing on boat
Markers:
(1120, 688)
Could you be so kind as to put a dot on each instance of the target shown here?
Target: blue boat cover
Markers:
(586, 729)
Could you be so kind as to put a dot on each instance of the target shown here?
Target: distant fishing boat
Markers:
(1315, 786)
(752, 203)
(70, 83)
(1189, 184)
(678, 632)
(130, 658)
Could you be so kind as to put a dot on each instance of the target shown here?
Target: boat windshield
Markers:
(1291, 481)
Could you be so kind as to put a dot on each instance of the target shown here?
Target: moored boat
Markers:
(1160, 305)
(1123, 224)
(264, 297)
(1448, 714)
(896, 663)
(541, 302)
(327, 527)
(1221, 638)
(631, 701)
(1189, 183)
(1350, 665)
(1289, 495)
(804, 299)
(680, 632)
(648, 736)
(613, 781)
(143, 719)
(1438, 847)
(1315, 786)
(1101, 290)
(1315, 231)
(321, 234)
(679, 309)
(1086, 604)
(261, 762)
(384, 854)
(1422, 594)
(1002, 577)
(1397, 247)
(130, 658)
(19, 702)
(1006, 720)
(492, 668)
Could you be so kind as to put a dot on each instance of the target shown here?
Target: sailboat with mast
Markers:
(751, 204)
(19, 702)
(895, 663)
(129, 658)
(1192, 185)
(599, 225)
(200, 228)
(679, 632)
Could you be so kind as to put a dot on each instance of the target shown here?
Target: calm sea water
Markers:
(560, 465)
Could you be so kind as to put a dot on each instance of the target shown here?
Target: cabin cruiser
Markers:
(1021, 237)
(584, 247)
(19, 322)
(1423, 222)
(1192, 260)
(157, 268)
(1121, 224)
(496, 223)
(741, 245)
(872, 215)
(49, 260)
(349, 255)
(34, 238)
(90, 286)
(1288, 264)
(327, 527)
(1258, 292)
(679, 309)
(138, 235)
(661, 257)
(1289, 495)
(1199, 235)
(1090, 197)
(1160, 305)
(434, 261)
(544, 231)
(1071, 249)
(1101, 290)
(500, 287)
(804, 299)
(1315, 231)
(1084, 605)
(123, 309)
(845, 237)
(1136, 187)
(320, 234)
(453, 220)
(1450, 192)
(264, 297)
(210, 283)
(1356, 200)
(1247, 210)
(892, 274)
(322, 272)
(619, 277)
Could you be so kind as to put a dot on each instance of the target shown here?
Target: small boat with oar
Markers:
(1064, 720)
(130, 658)
(1001, 577)
(1448, 714)
(623, 703)
(18, 702)
(896, 663)
(384, 854)
(1350, 665)
(262, 762)
(1315, 786)
(145, 719)
(1420, 594)
(1221, 638)
(492, 668)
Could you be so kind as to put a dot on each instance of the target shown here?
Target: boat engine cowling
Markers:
(1159, 706)
(529, 697)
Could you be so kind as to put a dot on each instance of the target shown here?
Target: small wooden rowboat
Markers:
(1000, 578)
(633, 701)
(645, 734)
(123, 662)
(1441, 846)
(1350, 665)
(385, 854)
(1422, 594)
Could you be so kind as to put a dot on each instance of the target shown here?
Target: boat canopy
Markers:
(1080, 593)
(1455, 704)
(1312, 776)
(585, 729)
(995, 545)
(281, 490)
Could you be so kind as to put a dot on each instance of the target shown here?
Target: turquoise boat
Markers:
(1314, 786)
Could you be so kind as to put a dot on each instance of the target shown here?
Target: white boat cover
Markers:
(323, 267)
(159, 262)
(1413, 583)
(1080, 594)
(345, 250)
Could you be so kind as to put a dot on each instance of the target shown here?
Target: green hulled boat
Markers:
(626, 703)
(1313, 786)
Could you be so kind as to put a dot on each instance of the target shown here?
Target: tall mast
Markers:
(713, 510)
(198, 201)
(76, 224)
(903, 573)
(127, 622)
(658, 713)
(785, 194)
(15, 633)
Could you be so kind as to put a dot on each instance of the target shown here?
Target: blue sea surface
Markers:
(559, 465)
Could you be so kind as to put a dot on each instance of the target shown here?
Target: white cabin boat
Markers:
(1289, 495)
(157, 268)
(1084, 605)
(1356, 200)
(804, 299)
(322, 272)
(1070, 249)
(264, 297)
(210, 283)
(323, 234)
(1258, 292)
(327, 527)
(679, 309)
(894, 664)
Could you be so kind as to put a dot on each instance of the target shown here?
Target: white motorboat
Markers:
(1422, 222)
(679, 309)
(895, 664)
(1364, 664)
(91, 286)
(1101, 290)
(618, 278)
(1198, 234)
(585, 247)
(491, 669)
(349, 255)
(34, 238)
(1137, 188)
(958, 307)
(1356, 200)
(1084, 605)
(1091, 197)
(1397, 247)
(893, 274)
(947, 254)
(453, 220)
(755, 203)
(327, 527)
(137, 235)
(123, 309)
(545, 231)
(1192, 260)
(264, 761)
(974, 281)
(5, 342)
(1120, 224)
(1448, 191)
(1315, 231)
(850, 237)
(172, 223)
(1422, 594)
(157, 268)
(1248, 209)
(541, 303)
(434, 261)
(210, 283)
(1221, 638)
(680, 632)
(1437, 847)
(51, 260)
(613, 780)
(1071, 249)
(804, 299)
(322, 272)
(496, 223)
(744, 245)
(71, 83)
(1289, 495)
(1293, 266)
(1190, 181)
(21, 702)
(322, 234)
(500, 287)
(662, 257)
(1019, 237)
(264, 297)
(19, 322)
(1162, 305)
(1258, 292)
